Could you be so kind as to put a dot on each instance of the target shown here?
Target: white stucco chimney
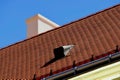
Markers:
(39, 24)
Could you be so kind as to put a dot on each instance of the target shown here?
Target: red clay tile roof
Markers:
(95, 34)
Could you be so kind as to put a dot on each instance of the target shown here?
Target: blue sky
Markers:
(13, 14)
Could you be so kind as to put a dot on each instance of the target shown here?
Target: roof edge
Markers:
(62, 26)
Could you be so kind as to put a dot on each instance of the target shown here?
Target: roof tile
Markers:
(96, 34)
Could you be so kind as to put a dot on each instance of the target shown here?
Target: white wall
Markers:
(32, 29)
(43, 27)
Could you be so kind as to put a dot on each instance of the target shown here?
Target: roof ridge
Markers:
(63, 25)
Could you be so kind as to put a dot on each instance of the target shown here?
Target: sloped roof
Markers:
(95, 34)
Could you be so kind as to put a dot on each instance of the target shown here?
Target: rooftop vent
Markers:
(62, 51)
(59, 52)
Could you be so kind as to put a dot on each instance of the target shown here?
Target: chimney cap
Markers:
(42, 18)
